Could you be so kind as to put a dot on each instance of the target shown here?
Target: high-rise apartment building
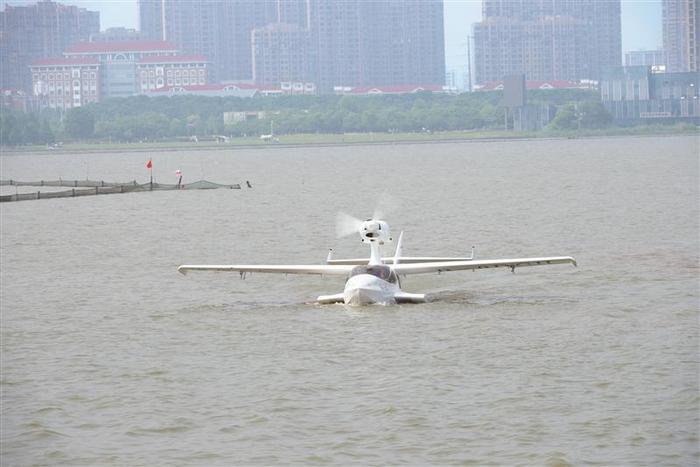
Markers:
(116, 35)
(151, 19)
(381, 42)
(680, 34)
(31, 32)
(547, 39)
(241, 17)
(332, 43)
(219, 30)
(281, 54)
(645, 58)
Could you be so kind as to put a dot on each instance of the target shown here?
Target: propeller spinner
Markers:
(370, 230)
(375, 231)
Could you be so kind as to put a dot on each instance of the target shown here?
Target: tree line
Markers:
(141, 118)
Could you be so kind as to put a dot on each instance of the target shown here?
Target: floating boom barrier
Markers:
(92, 187)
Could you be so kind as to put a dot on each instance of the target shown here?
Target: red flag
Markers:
(150, 164)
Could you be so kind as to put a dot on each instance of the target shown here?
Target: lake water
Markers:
(110, 357)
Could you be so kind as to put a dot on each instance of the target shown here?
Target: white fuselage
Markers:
(365, 289)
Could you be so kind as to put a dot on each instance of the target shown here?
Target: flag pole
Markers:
(149, 166)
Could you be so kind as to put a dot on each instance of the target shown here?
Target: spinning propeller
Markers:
(345, 224)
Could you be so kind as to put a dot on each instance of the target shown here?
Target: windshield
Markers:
(381, 271)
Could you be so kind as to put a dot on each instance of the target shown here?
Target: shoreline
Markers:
(338, 141)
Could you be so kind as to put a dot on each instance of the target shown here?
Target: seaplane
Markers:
(376, 280)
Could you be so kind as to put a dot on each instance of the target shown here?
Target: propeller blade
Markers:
(386, 204)
(345, 225)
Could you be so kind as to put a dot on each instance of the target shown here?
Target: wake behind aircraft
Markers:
(377, 279)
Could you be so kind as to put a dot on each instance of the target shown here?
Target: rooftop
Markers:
(173, 58)
(65, 61)
(533, 84)
(215, 87)
(396, 89)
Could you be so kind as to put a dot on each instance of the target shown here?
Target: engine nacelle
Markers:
(374, 231)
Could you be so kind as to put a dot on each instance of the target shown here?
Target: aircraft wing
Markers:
(439, 266)
(403, 259)
(270, 268)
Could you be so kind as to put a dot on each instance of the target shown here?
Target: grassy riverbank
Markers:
(330, 139)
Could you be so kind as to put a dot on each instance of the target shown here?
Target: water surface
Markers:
(109, 357)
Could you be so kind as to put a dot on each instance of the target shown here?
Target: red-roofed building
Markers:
(132, 67)
(65, 61)
(541, 85)
(393, 89)
(218, 90)
(155, 72)
(64, 83)
(121, 69)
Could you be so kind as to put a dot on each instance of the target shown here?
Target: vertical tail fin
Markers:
(399, 249)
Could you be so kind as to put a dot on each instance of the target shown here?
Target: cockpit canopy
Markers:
(381, 271)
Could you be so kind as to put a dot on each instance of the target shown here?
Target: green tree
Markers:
(214, 125)
(194, 124)
(594, 115)
(565, 119)
(46, 135)
(176, 127)
(80, 123)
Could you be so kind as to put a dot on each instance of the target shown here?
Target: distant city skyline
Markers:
(641, 24)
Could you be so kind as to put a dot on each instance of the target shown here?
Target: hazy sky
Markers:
(641, 23)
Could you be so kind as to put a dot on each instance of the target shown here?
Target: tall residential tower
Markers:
(680, 34)
(45, 29)
(547, 39)
(325, 42)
